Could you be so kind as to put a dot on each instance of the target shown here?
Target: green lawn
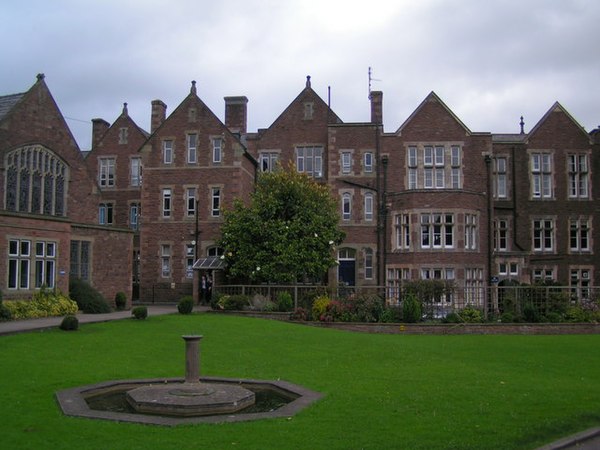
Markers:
(381, 391)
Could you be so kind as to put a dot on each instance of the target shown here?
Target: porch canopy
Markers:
(209, 263)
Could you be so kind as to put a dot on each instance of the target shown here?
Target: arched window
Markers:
(36, 181)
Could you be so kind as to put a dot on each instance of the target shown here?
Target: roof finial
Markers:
(193, 89)
(307, 81)
(125, 113)
(522, 123)
(40, 76)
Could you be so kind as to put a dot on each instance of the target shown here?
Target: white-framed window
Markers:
(80, 254)
(474, 288)
(217, 150)
(500, 177)
(190, 201)
(541, 175)
(395, 278)
(165, 258)
(105, 213)
(368, 162)
(437, 230)
(455, 159)
(439, 273)
(368, 206)
(135, 172)
(268, 161)
(134, 215)
(543, 235)
(106, 175)
(192, 148)
(440, 178)
(166, 202)
(578, 167)
(19, 259)
(215, 210)
(428, 156)
(412, 178)
(346, 162)
(542, 274)
(346, 206)
(368, 264)
(508, 268)
(500, 235)
(471, 231)
(580, 281)
(579, 234)
(402, 223)
(412, 156)
(428, 178)
(309, 160)
(439, 156)
(45, 264)
(168, 152)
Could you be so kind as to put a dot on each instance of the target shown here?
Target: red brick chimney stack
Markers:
(376, 98)
(159, 114)
(99, 127)
(236, 114)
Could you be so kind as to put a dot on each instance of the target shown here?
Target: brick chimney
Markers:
(376, 98)
(159, 114)
(236, 114)
(99, 127)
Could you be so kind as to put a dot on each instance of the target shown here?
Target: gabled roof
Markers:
(7, 102)
(432, 97)
(557, 107)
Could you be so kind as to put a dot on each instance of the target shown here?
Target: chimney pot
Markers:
(159, 114)
(236, 114)
(99, 127)
(376, 98)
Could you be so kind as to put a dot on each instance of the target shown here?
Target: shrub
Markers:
(69, 323)
(140, 312)
(299, 314)
(44, 303)
(5, 313)
(269, 306)
(552, 317)
(452, 317)
(530, 313)
(120, 301)
(508, 317)
(366, 307)
(319, 307)
(391, 314)
(185, 305)
(411, 309)
(234, 302)
(471, 315)
(284, 301)
(88, 299)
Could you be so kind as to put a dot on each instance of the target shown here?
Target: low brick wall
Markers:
(436, 328)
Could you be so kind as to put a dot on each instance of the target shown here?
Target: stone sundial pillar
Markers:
(192, 358)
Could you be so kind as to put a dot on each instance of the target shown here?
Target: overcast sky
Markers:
(490, 61)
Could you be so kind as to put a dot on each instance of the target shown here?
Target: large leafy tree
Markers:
(286, 234)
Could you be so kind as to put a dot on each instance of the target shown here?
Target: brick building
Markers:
(48, 215)
(432, 200)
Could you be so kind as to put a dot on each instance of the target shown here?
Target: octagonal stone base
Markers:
(190, 399)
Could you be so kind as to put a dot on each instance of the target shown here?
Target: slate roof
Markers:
(509, 138)
(7, 102)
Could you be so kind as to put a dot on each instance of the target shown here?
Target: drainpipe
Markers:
(384, 211)
(490, 245)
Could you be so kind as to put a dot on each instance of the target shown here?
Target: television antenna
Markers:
(371, 79)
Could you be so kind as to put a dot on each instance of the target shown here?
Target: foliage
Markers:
(507, 317)
(88, 299)
(285, 302)
(234, 302)
(429, 293)
(411, 309)
(270, 306)
(139, 312)
(391, 314)
(358, 307)
(469, 314)
(286, 234)
(185, 305)
(299, 314)
(120, 301)
(44, 303)
(69, 323)
(5, 313)
(319, 308)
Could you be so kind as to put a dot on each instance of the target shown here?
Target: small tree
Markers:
(286, 234)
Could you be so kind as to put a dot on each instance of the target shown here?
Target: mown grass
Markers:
(381, 391)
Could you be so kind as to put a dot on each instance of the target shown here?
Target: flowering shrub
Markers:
(298, 314)
(319, 307)
(45, 303)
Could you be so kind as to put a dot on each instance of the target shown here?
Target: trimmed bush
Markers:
(285, 302)
(139, 312)
(234, 302)
(471, 315)
(88, 299)
(185, 305)
(120, 301)
(69, 323)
